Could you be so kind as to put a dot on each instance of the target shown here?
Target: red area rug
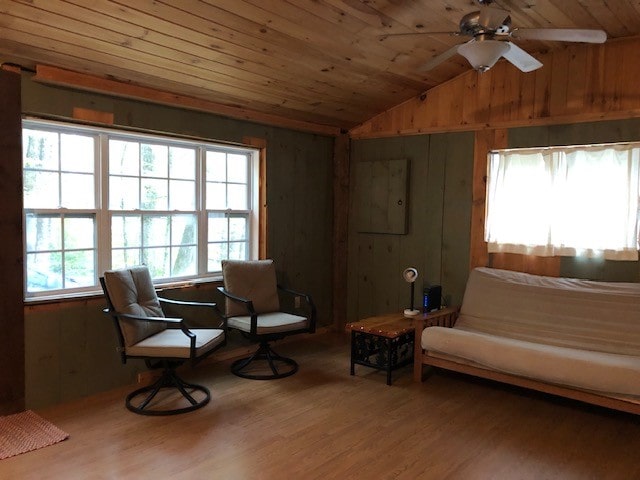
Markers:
(26, 431)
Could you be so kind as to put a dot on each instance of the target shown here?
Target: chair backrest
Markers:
(131, 291)
(252, 279)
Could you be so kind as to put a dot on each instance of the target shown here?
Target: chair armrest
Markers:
(187, 303)
(309, 302)
(171, 320)
(247, 303)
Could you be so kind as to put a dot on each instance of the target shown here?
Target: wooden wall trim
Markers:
(81, 81)
(341, 172)
(12, 351)
(263, 224)
(485, 141)
(578, 83)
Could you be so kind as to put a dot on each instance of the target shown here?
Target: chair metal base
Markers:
(168, 380)
(280, 366)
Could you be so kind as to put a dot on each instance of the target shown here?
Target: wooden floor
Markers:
(323, 423)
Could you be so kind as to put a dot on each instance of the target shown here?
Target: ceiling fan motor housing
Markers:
(470, 26)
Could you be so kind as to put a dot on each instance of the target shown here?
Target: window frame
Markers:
(103, 215)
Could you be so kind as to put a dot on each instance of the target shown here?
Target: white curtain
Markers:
(564, 201)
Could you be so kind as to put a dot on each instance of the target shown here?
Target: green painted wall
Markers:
(439, 216)
(70, 345)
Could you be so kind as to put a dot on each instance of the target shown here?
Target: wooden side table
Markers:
(386, 342)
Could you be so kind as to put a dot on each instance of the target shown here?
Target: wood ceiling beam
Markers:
(80, 81)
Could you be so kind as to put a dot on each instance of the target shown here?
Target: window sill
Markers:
(94, 294)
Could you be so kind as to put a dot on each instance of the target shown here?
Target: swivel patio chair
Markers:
(144, 332)
(253, 306)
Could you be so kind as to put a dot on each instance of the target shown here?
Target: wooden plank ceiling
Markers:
(318, 61)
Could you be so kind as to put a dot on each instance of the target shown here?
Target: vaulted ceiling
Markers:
(321, 61)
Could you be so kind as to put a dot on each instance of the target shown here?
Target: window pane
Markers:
(124, 193)
(216, 167)
(79, 269)
(182, 163)
(155, 231)
(218, 230)
(126, 231)
(237, 197)
(123, 158)
(77, 191)
(155, 160)
(185, 260)
(44, 272)
(237, 229)
(126, 258)
(184, 230)
(40, 149)
(216, 196)
(182, 194)
(41, 190)
(155, 194)
(77, 153)
(238, 251)
(79, 233)
(216, 253)
(157, 259)
(237, 168)
(43, 233)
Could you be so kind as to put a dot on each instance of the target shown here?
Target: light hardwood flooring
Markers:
(323, 423)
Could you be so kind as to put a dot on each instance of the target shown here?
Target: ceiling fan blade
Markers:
(406, 34)
(492, 17)
(561, 34)
(437, 60)
(521, 59)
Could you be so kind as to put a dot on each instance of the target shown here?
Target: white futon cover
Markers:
(571, 332)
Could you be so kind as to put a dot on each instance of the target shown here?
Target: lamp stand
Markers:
(411, 312)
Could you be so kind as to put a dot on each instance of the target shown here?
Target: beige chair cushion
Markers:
(131, 291)
(173, 343)
(274, 322)
(255, 280)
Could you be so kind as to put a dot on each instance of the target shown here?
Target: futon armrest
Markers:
(445, 317)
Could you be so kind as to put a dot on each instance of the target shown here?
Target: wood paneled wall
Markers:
(437, 239)
(578, 83)
(11, 277)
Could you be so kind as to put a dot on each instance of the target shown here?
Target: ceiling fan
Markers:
(490, 31)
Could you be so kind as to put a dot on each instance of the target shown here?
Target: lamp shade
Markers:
(483, 55)
(410, 275)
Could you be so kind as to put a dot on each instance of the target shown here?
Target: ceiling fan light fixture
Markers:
(482, 55)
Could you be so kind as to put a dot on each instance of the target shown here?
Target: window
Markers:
(564, 201)
(96, 199)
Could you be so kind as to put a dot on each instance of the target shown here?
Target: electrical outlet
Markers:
(296, 301)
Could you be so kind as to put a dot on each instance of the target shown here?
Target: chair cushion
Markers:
(131, 291)
(274, 322)
(173, 343)
(255, 280)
